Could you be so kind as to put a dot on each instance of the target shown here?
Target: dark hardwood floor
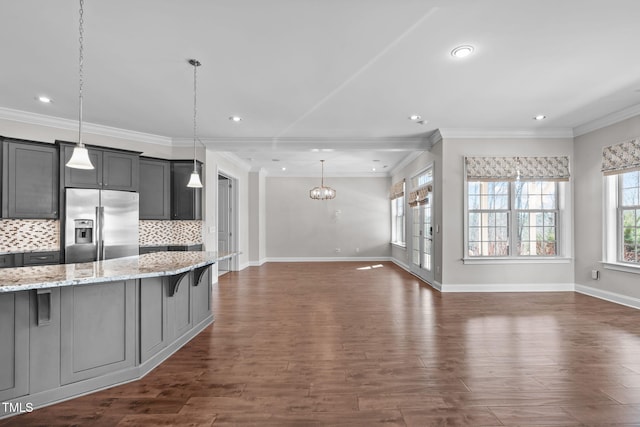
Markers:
(338, 344)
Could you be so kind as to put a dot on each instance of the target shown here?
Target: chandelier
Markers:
(322, 192)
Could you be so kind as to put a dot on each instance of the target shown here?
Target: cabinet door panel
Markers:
(83, 178)
(120, 171)
(186, 202)
(30, 177)
(180, 309)
(153, 317)
(97, 329)
(14, 350)
(201, 295)
(155, 189)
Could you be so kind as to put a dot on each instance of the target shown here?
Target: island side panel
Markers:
(180, 313)
(201, 295)
(44, 340)
(153, 316)
(97, 329)
(14, 345)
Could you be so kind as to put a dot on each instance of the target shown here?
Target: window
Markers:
(398, 214)
(621, 169)
(512, 218)
(629, 217)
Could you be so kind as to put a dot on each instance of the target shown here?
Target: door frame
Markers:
(234, 218)
(418, 270)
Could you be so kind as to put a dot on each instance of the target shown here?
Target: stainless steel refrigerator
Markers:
(100, 224)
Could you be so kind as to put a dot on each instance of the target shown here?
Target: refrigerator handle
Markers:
(98, 233)
(101, 230)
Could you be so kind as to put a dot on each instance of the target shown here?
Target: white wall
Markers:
(433, 157)
(454, 272)
(357, 221)
(589, 208)
(257, 226)
(221, 163)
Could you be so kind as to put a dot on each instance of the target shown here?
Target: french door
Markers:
(422, 262)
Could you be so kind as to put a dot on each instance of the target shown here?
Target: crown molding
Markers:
(505, 133)
(607, 120)
(408, 143)
(234, 159)
(90, 128)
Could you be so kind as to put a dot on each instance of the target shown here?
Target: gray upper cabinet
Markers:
(121, 171)
(113, 169)
(29, 179)
(186, 203)
(155, 188)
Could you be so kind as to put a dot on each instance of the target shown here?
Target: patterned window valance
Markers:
(420, 196)
(512, 168)
(623, 157)
(397, 190)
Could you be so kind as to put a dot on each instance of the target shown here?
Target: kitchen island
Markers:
(71, 329)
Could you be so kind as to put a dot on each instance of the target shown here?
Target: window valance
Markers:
(397, 190)
(623, 157)
(512, 168)
(419, 196)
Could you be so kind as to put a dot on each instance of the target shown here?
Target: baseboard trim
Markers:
(328, 259)
(256, 263)
(510, 287)
(608, 296)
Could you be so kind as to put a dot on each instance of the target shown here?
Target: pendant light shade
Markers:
(80, 156)
(322, 192)
(194, 180)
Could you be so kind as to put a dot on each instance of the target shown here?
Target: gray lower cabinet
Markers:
(7, 260)
(153, 317)
(14, 339)
(97, 329)
(201, 294)
(155, 189)
(179, 308)
(29, 180)
(44, 340)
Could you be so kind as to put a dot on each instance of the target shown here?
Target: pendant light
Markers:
(194, 181)
(322, 192)
(80, 156)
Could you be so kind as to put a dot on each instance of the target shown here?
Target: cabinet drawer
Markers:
(41, 258)
(7, 261)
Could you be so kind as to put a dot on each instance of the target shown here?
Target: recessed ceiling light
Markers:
(415, 117)
(373, 169)
(540, 117)
(284, 169)
(44, 99)
(235, 119)
(462, 51)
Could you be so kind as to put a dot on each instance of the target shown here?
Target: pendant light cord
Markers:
(195, 111)
(80, 72)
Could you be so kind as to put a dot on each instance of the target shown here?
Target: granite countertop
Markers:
(134, 267)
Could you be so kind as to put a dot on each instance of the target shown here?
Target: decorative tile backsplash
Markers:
(161, 233)
(25, 235)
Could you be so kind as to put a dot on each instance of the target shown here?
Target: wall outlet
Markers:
(595, 274)
(357, 250)
(338, 250)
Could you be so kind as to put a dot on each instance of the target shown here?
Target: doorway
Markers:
(226, 222)
(422, 249)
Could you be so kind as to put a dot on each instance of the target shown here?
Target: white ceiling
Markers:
(332, 79)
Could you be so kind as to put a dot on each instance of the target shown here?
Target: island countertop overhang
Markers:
(134, 267)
